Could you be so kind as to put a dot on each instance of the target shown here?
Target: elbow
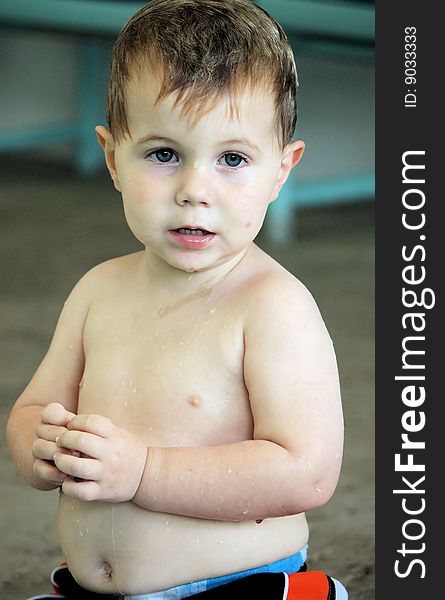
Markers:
(310, 496)
(319, 493)
(313, 488)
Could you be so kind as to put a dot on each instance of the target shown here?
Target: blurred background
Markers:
(60, 216)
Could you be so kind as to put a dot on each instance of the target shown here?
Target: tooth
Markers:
(187, 231)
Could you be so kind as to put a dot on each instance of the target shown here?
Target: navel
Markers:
(106, 570)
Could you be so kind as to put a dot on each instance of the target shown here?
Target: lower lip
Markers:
(193, 242)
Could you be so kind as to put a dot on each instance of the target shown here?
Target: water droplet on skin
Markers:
(81, 533)
(220, 541)
(212, 310)
(229, 470)
(181, 343)
(70, 346)
(245, 512)
(125, 403)
(318, 489)
(197, 540)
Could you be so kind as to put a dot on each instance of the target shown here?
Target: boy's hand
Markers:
(110, 463)
(54, 420)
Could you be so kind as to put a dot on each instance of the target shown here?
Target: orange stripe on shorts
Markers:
(312, 585)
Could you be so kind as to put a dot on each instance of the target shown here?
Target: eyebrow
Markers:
(160, 138)
(155, 138)
(243, 141)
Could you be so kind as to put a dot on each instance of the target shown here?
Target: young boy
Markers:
(188, 407)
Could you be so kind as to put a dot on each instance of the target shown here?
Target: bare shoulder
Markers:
(111, 272)
(105, 279)
(274, 293)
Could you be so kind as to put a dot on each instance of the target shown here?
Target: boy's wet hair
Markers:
(204, 50)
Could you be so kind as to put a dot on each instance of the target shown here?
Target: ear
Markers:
(292, 154)
(106, 140)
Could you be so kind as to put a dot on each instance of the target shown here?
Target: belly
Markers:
(121, 548)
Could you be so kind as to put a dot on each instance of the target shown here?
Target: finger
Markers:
(96, 424)
(56, 414)
(81, 468)
(44, 449)
(48, 471)
(49, 432)
(85, 491)
(86, 443)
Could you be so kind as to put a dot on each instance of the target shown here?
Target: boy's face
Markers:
(215, 175)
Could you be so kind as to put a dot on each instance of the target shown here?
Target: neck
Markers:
(170, 280)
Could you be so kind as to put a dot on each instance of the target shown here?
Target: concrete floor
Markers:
(54, 227)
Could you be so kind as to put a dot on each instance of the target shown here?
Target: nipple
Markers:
(194, 401)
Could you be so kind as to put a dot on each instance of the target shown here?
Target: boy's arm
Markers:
(33, 425)
(291, 465)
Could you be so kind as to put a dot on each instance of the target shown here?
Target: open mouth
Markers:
(194, 238)
(187, 231)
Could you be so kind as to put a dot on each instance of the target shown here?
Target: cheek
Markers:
(142, 198)
(248, 212)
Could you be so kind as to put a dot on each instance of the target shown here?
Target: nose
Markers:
(196, 187)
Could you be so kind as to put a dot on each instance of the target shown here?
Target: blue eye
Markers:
(234, 160)
(163, 155)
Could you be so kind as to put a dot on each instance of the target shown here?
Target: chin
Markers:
(188, 266)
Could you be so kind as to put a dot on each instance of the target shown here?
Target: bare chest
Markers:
(173, 377)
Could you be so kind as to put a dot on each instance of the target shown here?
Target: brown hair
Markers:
(204, 49)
